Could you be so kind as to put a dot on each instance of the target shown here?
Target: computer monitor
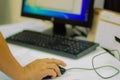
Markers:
(60, 12)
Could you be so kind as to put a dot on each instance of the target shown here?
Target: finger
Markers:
(50, 72)
(55, 68)
(57, 61)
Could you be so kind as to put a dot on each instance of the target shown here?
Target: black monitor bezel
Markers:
(87, 23)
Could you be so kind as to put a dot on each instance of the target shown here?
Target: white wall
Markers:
(99, 3)
(4, 11)
(12, 10)
(15, 7)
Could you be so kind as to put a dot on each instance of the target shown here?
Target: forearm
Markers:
(36, 70)
(8, 64)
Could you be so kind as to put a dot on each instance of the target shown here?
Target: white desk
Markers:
(25, 55)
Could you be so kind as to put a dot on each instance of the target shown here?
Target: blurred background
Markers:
(10, 10)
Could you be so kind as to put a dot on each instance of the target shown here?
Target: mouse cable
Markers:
(96, 68)
(118, 71)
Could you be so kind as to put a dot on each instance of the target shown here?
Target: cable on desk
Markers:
(96, 68)
(118, 71)
(111, 52)
(117, 53)
(107, 50)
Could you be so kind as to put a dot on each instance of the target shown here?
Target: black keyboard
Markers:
(56, 44)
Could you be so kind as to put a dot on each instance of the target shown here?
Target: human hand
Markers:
(41, 68)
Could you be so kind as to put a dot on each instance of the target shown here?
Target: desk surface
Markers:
(26, 55)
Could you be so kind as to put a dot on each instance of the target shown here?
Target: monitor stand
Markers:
(59, 29)
(65, 30)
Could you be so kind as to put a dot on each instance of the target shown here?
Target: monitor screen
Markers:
(74, 12)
